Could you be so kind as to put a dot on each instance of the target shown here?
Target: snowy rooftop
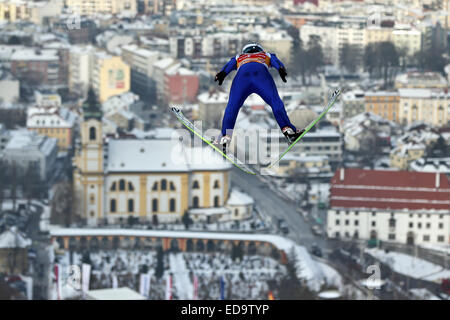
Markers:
(431, 165)
(238, 198)
(414, 77)
(13, 238)
(178, 70)
(23, 139)
(422, 93)
(140, 51)
(214, 97)
(31, 54)
(50, 117)
(161, 156)
(305, 158)
(164, 63)
(209, 211)
(308, 268)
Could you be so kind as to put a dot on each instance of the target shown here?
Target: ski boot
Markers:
(223, 143)
(290, 135)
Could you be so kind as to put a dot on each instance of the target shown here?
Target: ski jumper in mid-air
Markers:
(253, 76)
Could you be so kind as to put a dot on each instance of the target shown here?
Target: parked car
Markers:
(282, 225)
(316, 230)
(315, 250)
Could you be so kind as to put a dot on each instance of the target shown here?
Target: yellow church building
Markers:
(140, 177)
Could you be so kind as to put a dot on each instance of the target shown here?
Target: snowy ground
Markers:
(332, 277)
(318, 192)
(245, 279)
(235, 226)
(410, 265)
(445, 249)
(125, 265)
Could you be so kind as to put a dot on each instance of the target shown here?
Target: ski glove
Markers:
(220, 77)
(283, 73)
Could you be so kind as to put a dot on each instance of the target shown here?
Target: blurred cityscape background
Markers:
(93, 205)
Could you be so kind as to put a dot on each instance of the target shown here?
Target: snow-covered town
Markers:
(106, 194)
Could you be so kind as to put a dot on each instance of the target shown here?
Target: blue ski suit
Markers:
(253, 76)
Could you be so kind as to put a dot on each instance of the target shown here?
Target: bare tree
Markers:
(63, 208)
(31, 183)
(350, 57)
(14, 184)
(2, 182)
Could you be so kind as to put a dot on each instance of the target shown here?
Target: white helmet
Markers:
(252, 48)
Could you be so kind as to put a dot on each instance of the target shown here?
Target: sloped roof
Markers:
(160, 155)
(385, 189)
(238, 198)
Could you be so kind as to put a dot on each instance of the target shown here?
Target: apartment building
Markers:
(383, 103)
(36, 66)
(431, 106)
(141, 63)
(90, 7)
(80, 67)
(393, 206)
(53, 122)
(110, 75)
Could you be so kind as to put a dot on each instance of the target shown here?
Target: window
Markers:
(346, 213)
(373, 214)
(392, 223)
(411, 225)
(216, 184)
(419, 225)
(92, 133)
(337, 212)
(356, 213)
(216, 201)
(346, 222)
(428, 225)
(122, 185)
(130, 205)
(163, 184)
(130, 186)
(440, 238)
(426, 238)
(356, 222)
(195, 185)
(337, 234)
(195, 202)
(172, 186)
(374, 223)
(155, 205)
(392, 236)
(112, 205)
(92, 199)
(337, 222)
(155, 186)
(441, 225)
(236, 212)
(172, 205)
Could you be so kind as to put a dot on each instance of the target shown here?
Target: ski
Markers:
(188, 124)
(333, 99)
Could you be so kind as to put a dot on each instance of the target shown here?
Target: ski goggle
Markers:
(252, 48)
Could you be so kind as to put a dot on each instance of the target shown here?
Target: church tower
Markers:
(88, 171)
